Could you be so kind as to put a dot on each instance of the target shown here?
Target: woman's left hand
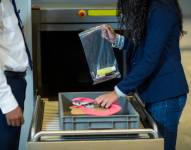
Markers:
(107, 100)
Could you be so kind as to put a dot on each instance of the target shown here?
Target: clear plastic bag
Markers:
(99, 55)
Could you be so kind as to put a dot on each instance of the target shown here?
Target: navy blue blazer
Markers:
(155, 70)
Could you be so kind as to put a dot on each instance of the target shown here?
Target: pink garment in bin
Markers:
(113, 109)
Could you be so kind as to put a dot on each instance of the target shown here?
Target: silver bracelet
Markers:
(119, 42)
(115, 44)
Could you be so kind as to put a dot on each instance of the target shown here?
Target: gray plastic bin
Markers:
(127, 118)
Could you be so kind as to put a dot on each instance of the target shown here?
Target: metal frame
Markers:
(75, 3)
(36, 133)
(94, 132)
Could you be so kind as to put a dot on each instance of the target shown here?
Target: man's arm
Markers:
(8, 103)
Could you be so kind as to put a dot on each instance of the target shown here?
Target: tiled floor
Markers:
(185, 42)
(184, 135)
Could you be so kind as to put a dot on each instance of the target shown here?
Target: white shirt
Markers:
(13, 56)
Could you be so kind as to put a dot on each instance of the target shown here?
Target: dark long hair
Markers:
(133, 17)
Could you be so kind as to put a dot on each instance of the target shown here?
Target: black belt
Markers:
(15, 74)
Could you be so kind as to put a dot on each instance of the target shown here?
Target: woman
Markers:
(151, 38)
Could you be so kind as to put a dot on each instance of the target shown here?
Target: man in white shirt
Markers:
(13, 64)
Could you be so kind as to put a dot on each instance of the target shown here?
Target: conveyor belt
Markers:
(51, 118)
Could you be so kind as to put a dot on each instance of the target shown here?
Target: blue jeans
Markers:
(167, 114)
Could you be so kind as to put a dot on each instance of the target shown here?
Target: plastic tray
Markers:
(127, 118)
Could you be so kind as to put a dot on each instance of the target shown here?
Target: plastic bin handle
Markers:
(110, 125)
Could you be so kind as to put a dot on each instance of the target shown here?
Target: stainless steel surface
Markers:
(38, 135)
(37, 117)
(70, 26)
(150, 119)
(68, 11)
(71, 16)
(73, 3)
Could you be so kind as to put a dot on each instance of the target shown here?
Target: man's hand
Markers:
(15, 117)
(107, 100)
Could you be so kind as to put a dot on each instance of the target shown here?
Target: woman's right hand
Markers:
(108, 33)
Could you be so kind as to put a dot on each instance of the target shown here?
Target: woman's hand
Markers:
(107, 100)
(108, 33)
